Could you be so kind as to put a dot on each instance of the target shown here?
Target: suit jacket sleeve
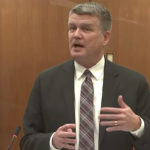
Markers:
(143, 110)
(35, 138)
(50, 105)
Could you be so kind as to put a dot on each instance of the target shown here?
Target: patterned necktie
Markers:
(86, 134)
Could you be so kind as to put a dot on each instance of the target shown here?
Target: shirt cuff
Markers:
(50, 143)
(139, 132)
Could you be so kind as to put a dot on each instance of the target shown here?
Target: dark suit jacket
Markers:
(51, 105)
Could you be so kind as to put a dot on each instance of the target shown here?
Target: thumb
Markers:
(121, 102)
(69, 130)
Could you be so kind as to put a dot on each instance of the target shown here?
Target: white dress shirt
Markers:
(97, 79)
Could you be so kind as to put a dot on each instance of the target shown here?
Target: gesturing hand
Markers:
(64, 137)
(119, 119)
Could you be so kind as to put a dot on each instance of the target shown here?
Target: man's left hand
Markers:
(119, 119)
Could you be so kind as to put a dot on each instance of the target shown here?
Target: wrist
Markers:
(137, 123)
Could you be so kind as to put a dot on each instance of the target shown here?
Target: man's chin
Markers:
(76, 55)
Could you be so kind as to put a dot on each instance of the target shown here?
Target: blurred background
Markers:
(33, 37)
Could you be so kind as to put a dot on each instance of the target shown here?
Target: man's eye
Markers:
(72, 28)
(86, 29)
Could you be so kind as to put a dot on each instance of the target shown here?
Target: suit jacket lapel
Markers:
(110, 86)
(68, 91)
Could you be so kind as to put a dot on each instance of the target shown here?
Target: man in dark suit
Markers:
(121, 99)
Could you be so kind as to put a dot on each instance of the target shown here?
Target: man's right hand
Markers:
(64, 137)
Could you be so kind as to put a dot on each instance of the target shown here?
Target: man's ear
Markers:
(106, 37)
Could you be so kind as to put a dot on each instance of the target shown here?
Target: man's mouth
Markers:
(77, 45)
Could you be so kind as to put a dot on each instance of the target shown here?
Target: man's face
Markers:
(86, 40)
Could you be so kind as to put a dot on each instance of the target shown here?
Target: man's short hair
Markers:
(94, 9)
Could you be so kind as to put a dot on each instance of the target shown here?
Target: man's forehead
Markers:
(80, 24)
(83, 19)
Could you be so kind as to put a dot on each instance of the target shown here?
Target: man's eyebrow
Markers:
(71, 23)
(86, 24)
(82, 25)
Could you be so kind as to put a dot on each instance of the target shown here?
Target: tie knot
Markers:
(87, 73)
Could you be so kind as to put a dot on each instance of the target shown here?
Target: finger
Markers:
(111, 110)
(121, 102)
(69, 141)
(67, 135)
(69, 130)
(107, 123)
(67, 126)
(68, 146)
(66, 142)
(113, 123)
(115, 128)
(110, 116)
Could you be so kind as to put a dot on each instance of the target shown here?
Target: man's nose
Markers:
(77, 33)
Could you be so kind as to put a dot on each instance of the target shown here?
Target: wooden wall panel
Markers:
(130, 34)
(33, 37)
(135, 22)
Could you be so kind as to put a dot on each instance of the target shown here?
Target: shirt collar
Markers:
(96, 70)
